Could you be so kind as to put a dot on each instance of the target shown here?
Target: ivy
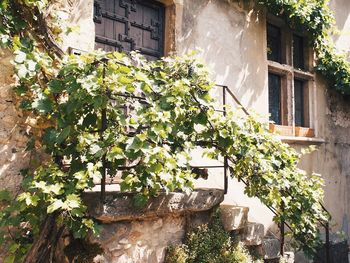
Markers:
(80, 100)
(316, 19)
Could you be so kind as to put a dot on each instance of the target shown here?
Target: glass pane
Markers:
(273, 43)
(298, 52)
(299, 103)
(275, 98)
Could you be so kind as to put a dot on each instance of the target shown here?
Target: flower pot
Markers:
(281, 129)
(304, 132)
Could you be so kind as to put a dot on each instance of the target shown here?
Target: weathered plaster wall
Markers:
(14, 126)
(231, 38)
(332, 160)
(12, 129)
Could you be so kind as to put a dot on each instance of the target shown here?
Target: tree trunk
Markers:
(45, 244)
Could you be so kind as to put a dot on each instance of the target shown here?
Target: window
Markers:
(125, 25)
(289, 80)
(274, 43)
(275, 98)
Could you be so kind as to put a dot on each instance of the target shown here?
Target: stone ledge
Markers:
(119, 206)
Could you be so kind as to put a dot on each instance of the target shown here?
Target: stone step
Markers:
(234, 217)
(251, 235)
(271, 248)
(288, 258)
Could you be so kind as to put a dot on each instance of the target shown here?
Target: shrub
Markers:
(208, 243)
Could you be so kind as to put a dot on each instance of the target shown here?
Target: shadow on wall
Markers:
(337, 186)
(341, 9)
(230, 37)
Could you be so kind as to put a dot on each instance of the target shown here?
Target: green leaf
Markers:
(125, 80)
(10, 259)
(43, 105)
(141, 76)
(50, 135)
(25, 105)
(90, 120)
(20, 90)
(134, 144)
(155, 168)
(20, 57)
(98, 102)
(56, 86)
(72, 201)
(13, 248)
(55, 205)
(140, 200)
(63, 135)
(5, 195)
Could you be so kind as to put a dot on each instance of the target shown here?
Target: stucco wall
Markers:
(230, 36)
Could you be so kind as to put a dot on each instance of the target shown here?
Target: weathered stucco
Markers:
(231, 38)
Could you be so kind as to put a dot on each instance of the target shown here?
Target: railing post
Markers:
(225, 158)
(225, 175)
(282, 237)
(328, 256)
(282, 228)
(103, 128)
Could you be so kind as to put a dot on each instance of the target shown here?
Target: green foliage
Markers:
(80, 99)
(208, 243)
(316, 19)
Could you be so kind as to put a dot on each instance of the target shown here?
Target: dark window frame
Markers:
(290, 70)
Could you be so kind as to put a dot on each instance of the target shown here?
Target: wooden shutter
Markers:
(125, 25)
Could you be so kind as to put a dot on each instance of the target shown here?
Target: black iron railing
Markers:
(225, 93)
(282, 224)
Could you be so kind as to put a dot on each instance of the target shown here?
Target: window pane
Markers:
(273, 43)
(275, 98)
(298, 52)
(299, 103)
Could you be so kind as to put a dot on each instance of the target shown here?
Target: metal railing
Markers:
(225, 93)
(282, 224)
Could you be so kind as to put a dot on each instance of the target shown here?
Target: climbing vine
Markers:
(88, 133)
(316, 19)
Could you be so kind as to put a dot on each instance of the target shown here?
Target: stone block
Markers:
(120, 206)
(234, 217)
(271, 248)
(253, 234)
(289, 257)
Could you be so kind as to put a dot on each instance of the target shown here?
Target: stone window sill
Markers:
(295, 135)
(301, 140)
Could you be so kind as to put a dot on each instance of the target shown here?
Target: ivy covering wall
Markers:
(316, 19)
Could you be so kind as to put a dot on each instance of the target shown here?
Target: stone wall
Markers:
(140, 241)
(13, 130)
(141, 235)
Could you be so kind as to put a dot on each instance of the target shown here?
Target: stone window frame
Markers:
(288, 74)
